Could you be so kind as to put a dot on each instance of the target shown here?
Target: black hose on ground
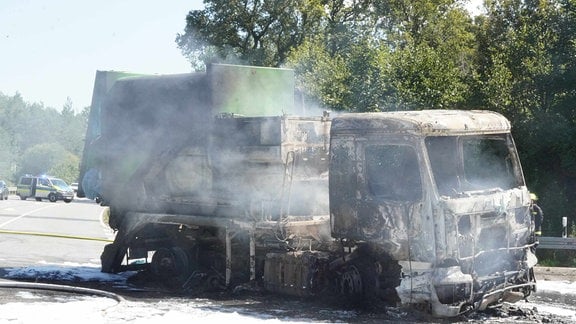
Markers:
(63, 288)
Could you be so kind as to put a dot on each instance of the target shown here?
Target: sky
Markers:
(50, 50)
(31, 306)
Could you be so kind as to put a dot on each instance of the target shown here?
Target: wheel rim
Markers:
(351, 284)
(170, 263)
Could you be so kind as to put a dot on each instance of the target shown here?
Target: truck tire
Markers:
(351, 286)
(171, 265)
(359, 282)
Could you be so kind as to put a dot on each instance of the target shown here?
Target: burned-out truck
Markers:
(222, 179)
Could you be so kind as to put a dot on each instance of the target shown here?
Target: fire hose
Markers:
(55, 235)
(62, 288)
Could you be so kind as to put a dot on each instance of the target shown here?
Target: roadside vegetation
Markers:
(35, 139)
(556, 258)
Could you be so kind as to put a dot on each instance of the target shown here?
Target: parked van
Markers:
(44, 187)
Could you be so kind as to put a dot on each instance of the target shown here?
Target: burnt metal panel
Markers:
(431, 122)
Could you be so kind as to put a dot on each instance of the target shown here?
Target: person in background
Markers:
(537, 215)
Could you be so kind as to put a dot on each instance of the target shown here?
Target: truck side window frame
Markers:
(393, 173)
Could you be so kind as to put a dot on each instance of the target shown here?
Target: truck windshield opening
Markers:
(464, 164)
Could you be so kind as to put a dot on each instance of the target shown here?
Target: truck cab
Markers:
(441, 192)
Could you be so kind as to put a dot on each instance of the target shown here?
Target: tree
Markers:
(389, 56)
(253, 32)
(72, 128)
(50, 159)
(36, 139)
(527, 56)
(430, 65)
(321, 77)
(337, 68)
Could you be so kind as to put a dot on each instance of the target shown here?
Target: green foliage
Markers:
(35, 139)
(257, 33)
(424, 79)
(556, 258)
(348, 55)
(66, 168)
(320, 74)
(50, 159)
(396, 56)
(527, 54)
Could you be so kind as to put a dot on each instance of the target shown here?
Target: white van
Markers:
(44, 187)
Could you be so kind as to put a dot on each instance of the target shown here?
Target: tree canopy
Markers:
(257, 33)
(38, 140)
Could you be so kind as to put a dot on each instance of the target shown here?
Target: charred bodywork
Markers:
(441, 192)
(424, 208)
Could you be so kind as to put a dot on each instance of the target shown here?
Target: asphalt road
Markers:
(32, 231)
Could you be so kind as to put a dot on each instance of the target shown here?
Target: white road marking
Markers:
(24, 215)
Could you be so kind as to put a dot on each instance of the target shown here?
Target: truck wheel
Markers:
(359, 282)
(22, 197)
(52, 197)
(171, 265)
(38, 199)
(67, 200)
(351, 283)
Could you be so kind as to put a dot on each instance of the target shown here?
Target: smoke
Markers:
(175, 144)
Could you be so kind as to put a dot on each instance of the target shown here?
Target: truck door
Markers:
(394, 201)
(377, 194)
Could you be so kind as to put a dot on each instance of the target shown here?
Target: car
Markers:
(4, 191)
(44, 187)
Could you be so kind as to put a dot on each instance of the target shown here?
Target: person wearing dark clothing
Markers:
(537, 215)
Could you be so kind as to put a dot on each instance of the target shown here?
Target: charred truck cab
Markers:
(443, 194)
(216, 180)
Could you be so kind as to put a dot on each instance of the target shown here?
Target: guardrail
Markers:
(557, 243)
